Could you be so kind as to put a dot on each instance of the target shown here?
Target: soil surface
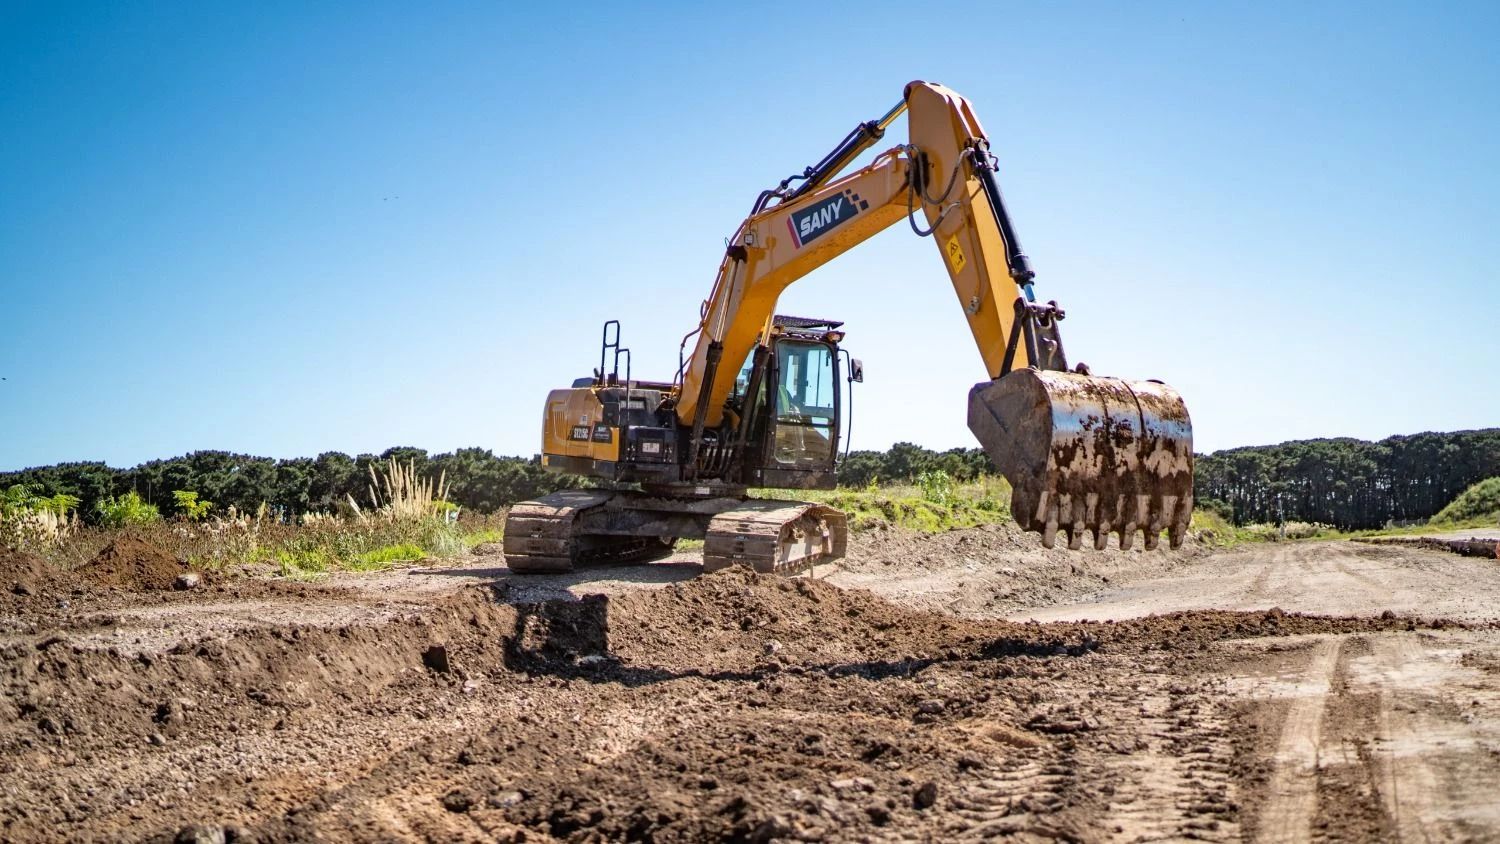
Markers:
(964, 686)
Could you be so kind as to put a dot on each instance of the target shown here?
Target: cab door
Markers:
(801, 442)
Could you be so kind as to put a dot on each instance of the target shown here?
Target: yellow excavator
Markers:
(758, 401)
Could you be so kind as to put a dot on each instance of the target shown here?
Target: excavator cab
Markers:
(788, 398)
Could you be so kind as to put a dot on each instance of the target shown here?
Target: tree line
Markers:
(905, 462)
(1346, 482)
(477, 480)
(1349, 483)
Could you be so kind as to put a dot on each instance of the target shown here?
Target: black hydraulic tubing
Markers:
(624, 417)
(1015, 259)
(862, 138)
(749, 407)
(710, 368)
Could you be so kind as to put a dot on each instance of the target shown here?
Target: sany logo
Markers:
(810, 223)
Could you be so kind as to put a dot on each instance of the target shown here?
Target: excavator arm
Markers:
(1083, 453)
(778, 245)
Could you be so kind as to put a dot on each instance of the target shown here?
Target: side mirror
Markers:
(856, 370)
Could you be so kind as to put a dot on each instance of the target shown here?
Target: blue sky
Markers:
(289, 228)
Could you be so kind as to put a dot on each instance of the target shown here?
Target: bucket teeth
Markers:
(1089, 455)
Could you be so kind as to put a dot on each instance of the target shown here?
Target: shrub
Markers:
(126, 510)
(192, 509)
(937, 487)
(1287, 531)
(399, 493)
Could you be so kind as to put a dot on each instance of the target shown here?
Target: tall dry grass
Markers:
(28, 527)
(398, 493)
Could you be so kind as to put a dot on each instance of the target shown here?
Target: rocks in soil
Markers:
(504, 799)
(201, 834)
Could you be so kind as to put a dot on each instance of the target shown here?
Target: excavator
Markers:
(757, 402)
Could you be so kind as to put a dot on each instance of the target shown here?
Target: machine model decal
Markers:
(813, 222)
(603, 434)
(579, 432)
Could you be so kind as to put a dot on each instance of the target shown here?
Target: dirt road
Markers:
(928, 688)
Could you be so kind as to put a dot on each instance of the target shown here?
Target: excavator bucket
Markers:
(1086, 454)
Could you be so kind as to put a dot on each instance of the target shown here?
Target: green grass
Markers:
(931, 507)
(302, 564)
(382, 558)
(303, 551)
(1480, 502)
(475, 538)
(932, 504)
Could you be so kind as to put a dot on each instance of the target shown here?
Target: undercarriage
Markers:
(586, 527)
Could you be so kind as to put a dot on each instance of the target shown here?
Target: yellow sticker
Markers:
(955, 254)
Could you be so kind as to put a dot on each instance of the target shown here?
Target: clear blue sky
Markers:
(288, 228)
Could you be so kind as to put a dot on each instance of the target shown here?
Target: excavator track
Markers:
(542, 537)
(781, 537)
(578, 528)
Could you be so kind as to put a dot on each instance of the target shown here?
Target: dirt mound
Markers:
(24, 574)
(735, 618)
(135, 565)
(1471, 547)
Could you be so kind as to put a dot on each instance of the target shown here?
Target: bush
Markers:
(1264, 532)
(127, 510)
(1480, 501)
(937, 487)
(188, 503)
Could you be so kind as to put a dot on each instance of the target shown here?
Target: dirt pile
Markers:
(736, 619)
(26, 575)
(135, 565)
(1472, 547)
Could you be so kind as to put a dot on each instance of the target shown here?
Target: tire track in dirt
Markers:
(1176, 781)
(1434, 752)
(1410, 783)
(1349, 787)
(1018, 796)
(1291, 797)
